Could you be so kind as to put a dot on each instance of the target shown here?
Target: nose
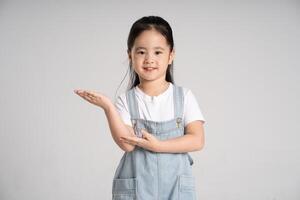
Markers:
(148, 59)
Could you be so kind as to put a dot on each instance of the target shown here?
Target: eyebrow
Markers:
(154, 48)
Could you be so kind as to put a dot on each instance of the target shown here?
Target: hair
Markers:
(148, 23)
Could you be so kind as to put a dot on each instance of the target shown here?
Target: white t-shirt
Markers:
(161, 107)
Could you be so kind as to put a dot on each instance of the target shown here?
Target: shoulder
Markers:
(192, 110)
(122, 107)
(186, 91)
(190, 99)
(121, 101)
(122, 97)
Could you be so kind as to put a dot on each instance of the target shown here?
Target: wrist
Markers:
(108, 107)
(160, 146)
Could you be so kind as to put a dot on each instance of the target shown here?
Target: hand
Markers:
(148, 141)
(95, 98)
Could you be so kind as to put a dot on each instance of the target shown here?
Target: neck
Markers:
(154, 88)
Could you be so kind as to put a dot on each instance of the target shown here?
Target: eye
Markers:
(140, 52)
(158, 52)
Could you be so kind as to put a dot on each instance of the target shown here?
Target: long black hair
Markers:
(148, 23)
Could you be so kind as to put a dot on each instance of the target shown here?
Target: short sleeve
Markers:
(122, 108)
(192, 109)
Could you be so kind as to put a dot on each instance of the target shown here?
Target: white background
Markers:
(240, 59)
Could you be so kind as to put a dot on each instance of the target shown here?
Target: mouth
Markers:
(149, 69)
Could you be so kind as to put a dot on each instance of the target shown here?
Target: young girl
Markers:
(155, 122)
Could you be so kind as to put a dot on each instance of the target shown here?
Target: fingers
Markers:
(147, 142)
(89, 93)
(86, 94)
(145, 134)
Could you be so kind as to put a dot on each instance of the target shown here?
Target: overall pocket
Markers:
(124, 189)
(187, 187)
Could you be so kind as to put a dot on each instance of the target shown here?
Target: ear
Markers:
(129, 55)
(171, 57)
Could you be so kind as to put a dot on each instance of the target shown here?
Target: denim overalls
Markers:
(146, 175)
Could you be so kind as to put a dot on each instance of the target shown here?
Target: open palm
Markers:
(95, 98)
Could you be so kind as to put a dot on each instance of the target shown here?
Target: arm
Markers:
(193, 140)
(118, 129)
(116, 125)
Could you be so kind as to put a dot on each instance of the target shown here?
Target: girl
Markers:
(155, 122)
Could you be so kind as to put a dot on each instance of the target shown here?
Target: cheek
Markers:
(137, 59)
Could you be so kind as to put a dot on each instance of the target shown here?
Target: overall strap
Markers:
(178, 102)
(132, 104)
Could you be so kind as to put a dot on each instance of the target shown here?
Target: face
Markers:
(150, 56)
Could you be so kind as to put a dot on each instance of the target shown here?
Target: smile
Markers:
(149, 68)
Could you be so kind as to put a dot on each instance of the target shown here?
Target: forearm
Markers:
(117, 127)
(185, 143)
